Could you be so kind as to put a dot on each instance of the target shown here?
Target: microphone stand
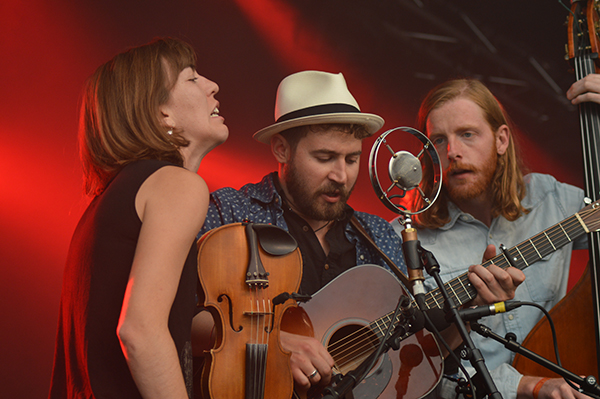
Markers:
(471, 353)
(589, 384)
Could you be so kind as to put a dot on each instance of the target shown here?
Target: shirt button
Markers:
(362, 257)
(305, 228)
(326, 266)
(510, 317)
(464, 217)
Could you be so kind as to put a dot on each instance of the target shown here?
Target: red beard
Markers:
(467, 190)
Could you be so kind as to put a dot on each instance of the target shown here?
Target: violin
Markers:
(248, 272)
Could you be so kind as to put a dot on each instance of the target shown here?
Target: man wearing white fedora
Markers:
(317, 141)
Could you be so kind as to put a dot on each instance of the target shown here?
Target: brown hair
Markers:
(119, 120)
(508, 187)
(294, 134)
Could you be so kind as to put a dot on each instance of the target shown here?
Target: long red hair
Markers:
(508, 187)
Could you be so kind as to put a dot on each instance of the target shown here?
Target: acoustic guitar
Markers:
(350, 314)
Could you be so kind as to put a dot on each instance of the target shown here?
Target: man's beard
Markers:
(311, 205)
(461, 192)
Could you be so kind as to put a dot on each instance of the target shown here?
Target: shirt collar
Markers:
(454, 212)
(265, 191)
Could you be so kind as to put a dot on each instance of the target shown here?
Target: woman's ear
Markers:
(166, 116)
(280, 148)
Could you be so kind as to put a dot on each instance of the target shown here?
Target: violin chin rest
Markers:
(274, 240)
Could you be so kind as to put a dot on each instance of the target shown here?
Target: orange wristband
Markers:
(538, 386)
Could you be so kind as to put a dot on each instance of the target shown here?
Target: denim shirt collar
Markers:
(454, 212)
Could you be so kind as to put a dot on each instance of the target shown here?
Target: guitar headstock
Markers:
(583, 25)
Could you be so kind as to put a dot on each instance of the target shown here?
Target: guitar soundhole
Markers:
(350, 345)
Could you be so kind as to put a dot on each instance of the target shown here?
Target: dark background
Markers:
(391, 53)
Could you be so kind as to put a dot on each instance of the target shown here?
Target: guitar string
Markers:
(340, 348)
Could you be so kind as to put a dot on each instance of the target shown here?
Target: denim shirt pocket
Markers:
(543, 278)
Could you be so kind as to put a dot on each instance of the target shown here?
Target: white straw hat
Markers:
(314, 97)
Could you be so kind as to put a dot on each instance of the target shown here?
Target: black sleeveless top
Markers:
(88, 361)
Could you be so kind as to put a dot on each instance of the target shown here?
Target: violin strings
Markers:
(260, 322)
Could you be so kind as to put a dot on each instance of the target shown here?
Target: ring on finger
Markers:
(314, 373)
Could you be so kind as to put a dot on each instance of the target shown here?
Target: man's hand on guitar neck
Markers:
(554, 388)
(308, 356)
(494, 284)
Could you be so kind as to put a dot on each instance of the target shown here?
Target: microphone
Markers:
(416, 168)
(477, 312)
(405, 170)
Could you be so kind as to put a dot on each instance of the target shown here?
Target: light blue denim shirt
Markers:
(462, 241)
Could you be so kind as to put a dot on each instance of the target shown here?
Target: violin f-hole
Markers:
(220, 299)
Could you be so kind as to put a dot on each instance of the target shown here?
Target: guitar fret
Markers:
(464, 287)
(453, 292)
(550, 241)
(380, 331)
(582, 224)
(437, 303)
(504, 256)
(536, 250)
(522, 257)
(568, 238)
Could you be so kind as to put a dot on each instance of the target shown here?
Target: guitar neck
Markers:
(520, 256)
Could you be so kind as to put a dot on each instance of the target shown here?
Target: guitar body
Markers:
(349, 303)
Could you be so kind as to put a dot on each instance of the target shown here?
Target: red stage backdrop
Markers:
(49, 47)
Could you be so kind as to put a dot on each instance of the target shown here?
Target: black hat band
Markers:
(318, 110)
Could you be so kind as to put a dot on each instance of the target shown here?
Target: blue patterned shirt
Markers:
(261, 203)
